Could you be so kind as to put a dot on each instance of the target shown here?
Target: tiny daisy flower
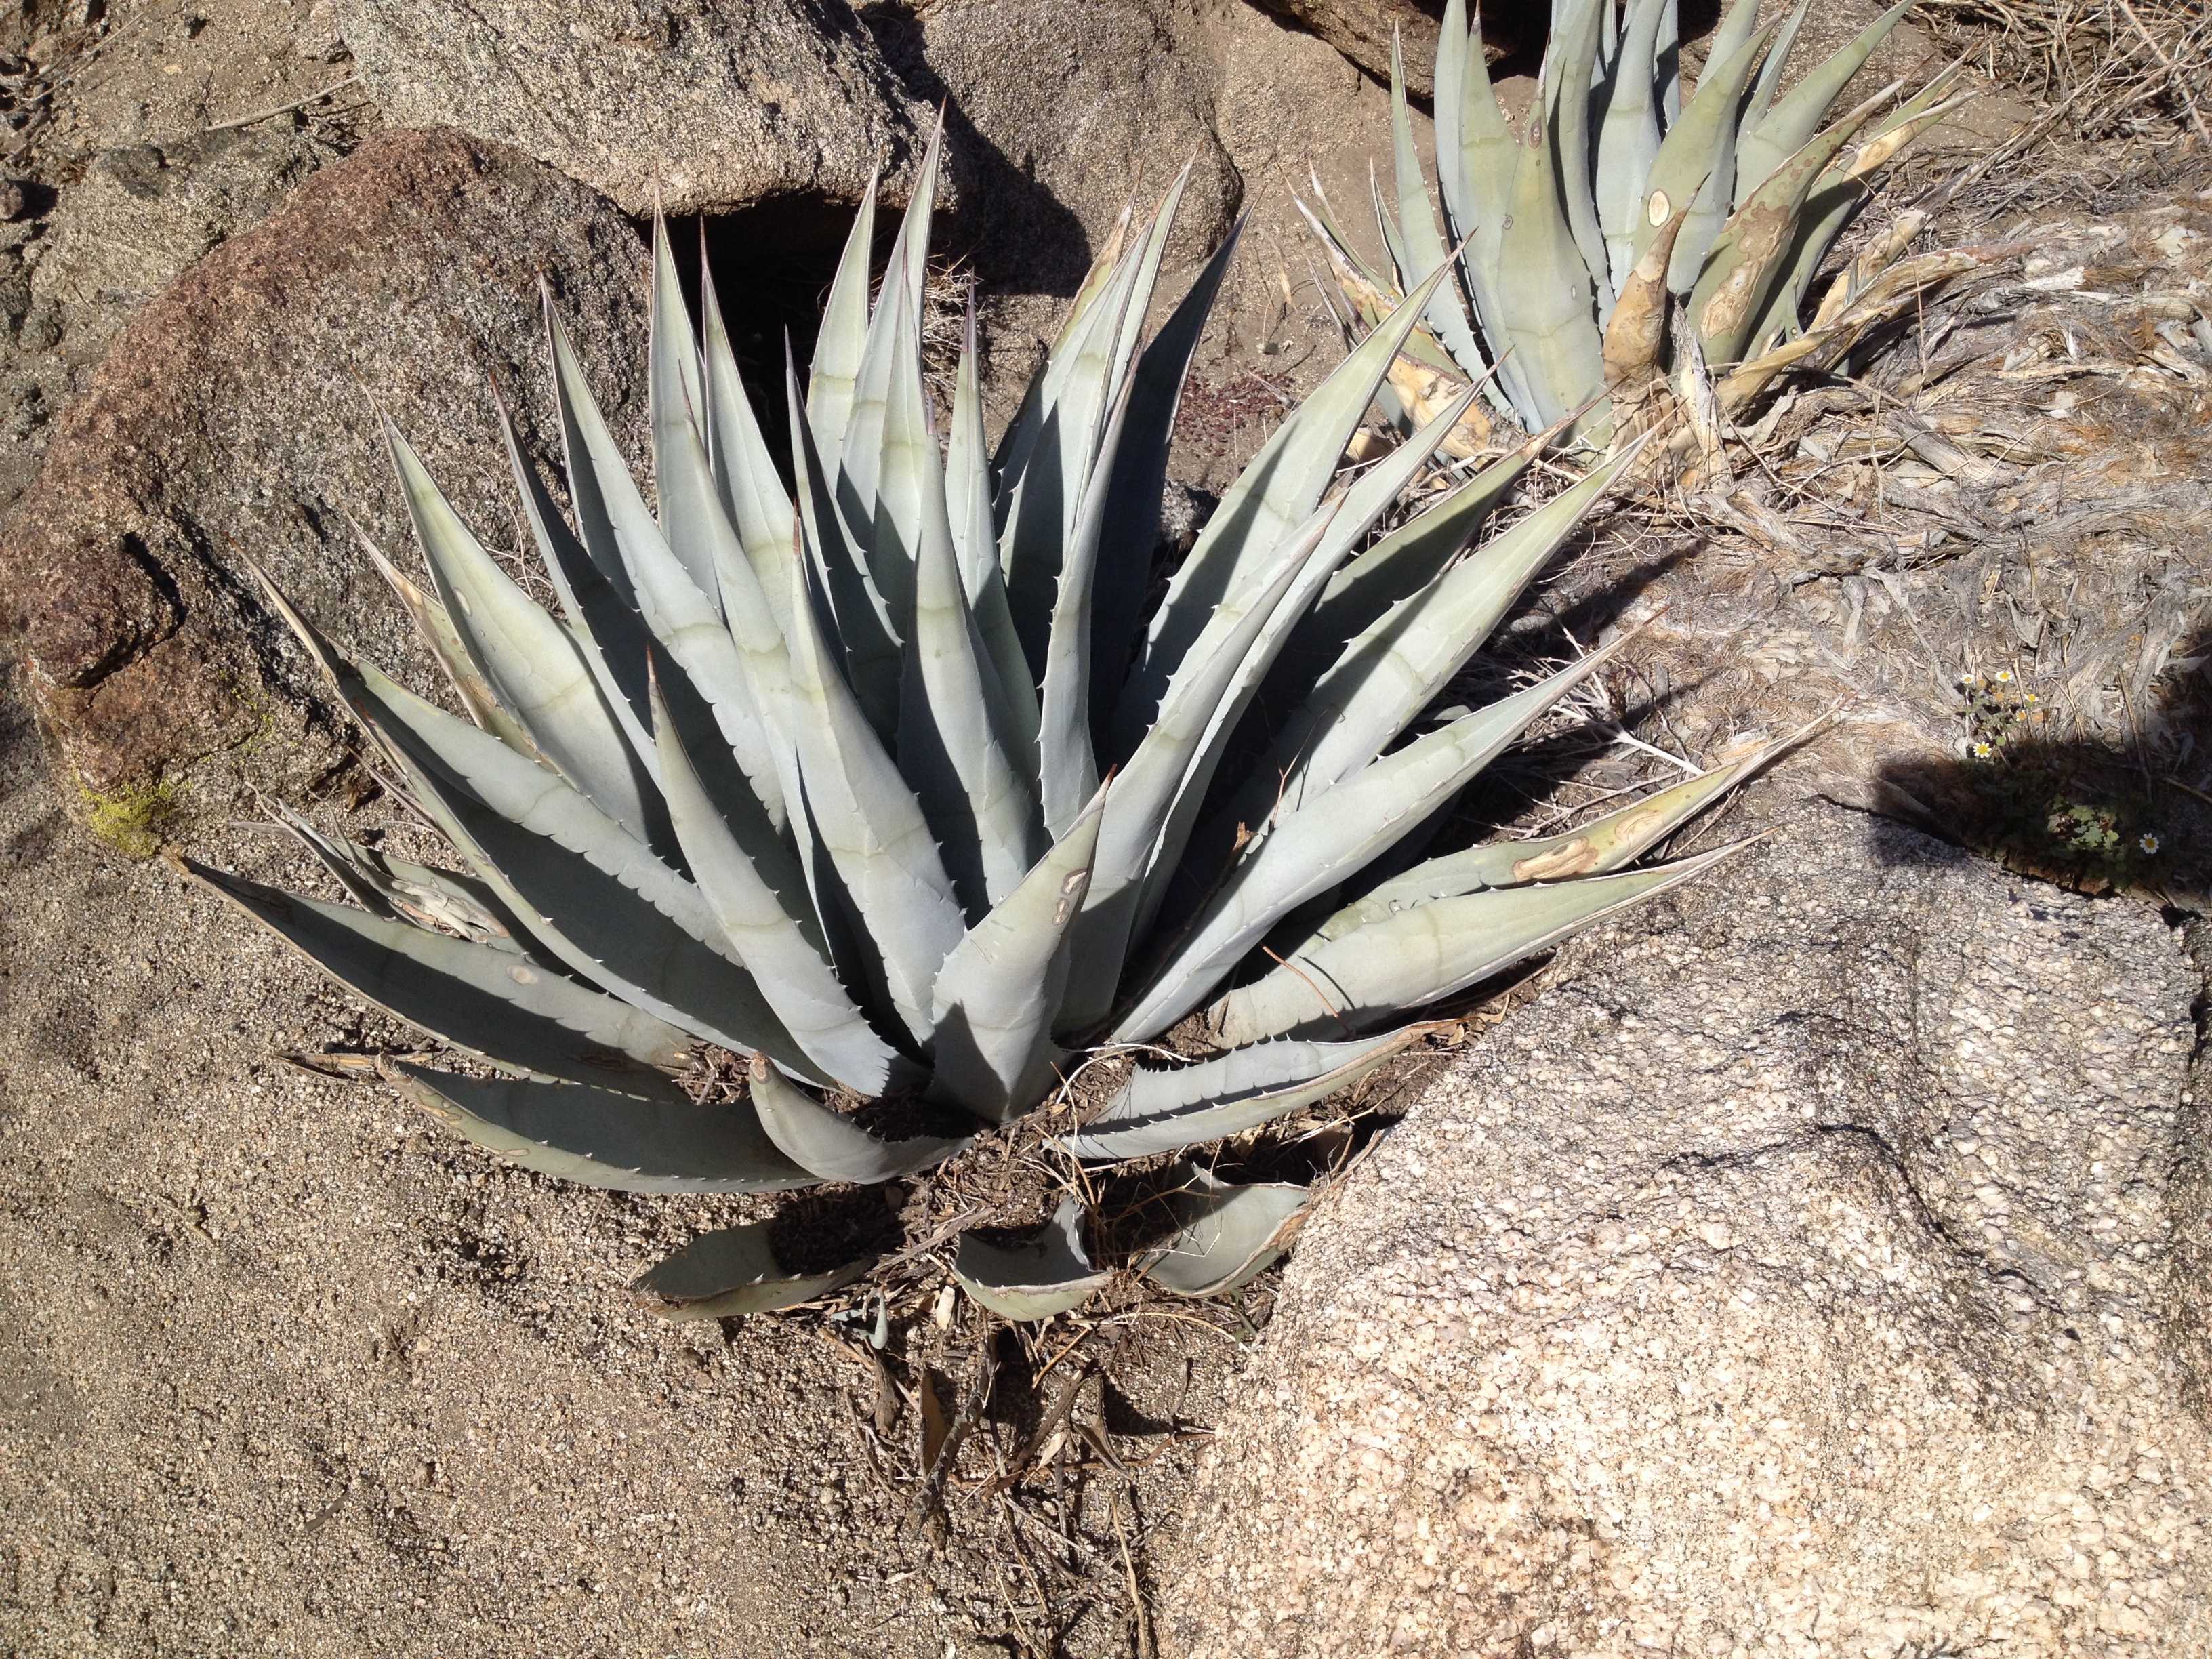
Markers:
(1983, 751)
(2148, 842)
(2004, 677)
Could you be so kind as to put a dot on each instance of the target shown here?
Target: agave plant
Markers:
(1568, 241)
(885, 779)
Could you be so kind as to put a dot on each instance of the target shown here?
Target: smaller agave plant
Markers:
(1617, 196)
(887, 779)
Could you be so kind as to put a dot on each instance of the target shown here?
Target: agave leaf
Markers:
(1356, 512)
(1421, 244)
(1598, 847)
(908, 273)
(1369, 290)
(744, 469)
(1637, 335)
(1546, 313)
(1747, 261)
(1628, 139)
(843, 340)
(1903, 126)
(751, 638)
(834, 563)
(955, 743)
(1695, 162)
(776, 936)
(877, 517)
(975, 538)
(1475, 159)
(626, 921)
(534, 668)
(1225, 1236)
(1769, 139)
(1068, 758)
(1734, 29)
(1410, 557)
(600, 604)
(437, 900)
(1048, 1275)
(1335, 836)
(1280, 488)
(1761, 98)
(870, 824)
(830, 1145)
(1832, 204)
(697, 521)
(1020, 438)
(723, 672)
(486, 1001)
(1122, 571)
(1670, 61)
(1837, 196)
(1145, 788)
(435, 624)
(1474, 143)
(1000, 991)
(676, 398)
(1396, 667)
(348, 863)
(601, 611)
(1422, 955)
(1319, 546)
(1167, 1109)
(1045, 496)
(643, 934)
(601, 1138)
(1150, 254)
(732, 1273)
(686, 622)
(1564, 91)
(967, 467)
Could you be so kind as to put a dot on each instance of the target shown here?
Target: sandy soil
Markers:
(284, 1371)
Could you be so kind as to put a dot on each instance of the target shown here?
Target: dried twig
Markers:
(962, 1425)
(283, 109)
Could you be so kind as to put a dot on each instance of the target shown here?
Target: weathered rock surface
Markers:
(1792, 1279)
(718, 103)
(1362, 30)
(139, 216)
(1061, 111)
(234, 417)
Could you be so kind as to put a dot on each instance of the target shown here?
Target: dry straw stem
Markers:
(2132, 68)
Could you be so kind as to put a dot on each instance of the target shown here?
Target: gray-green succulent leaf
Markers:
(1542, 229)
(733, 1273)
(868, 763)
(1049, 1275)
(1168, 1110)
(1224, 1235)
(599, 1137)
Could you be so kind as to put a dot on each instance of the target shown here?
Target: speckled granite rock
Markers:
(1060, 111)
(233, 416)
(716, 103)
(1794, 1279)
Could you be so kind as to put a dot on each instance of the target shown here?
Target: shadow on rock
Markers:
(1013, 231)
(2127, 813)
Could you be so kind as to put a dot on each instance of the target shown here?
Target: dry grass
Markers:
(2117, 68)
